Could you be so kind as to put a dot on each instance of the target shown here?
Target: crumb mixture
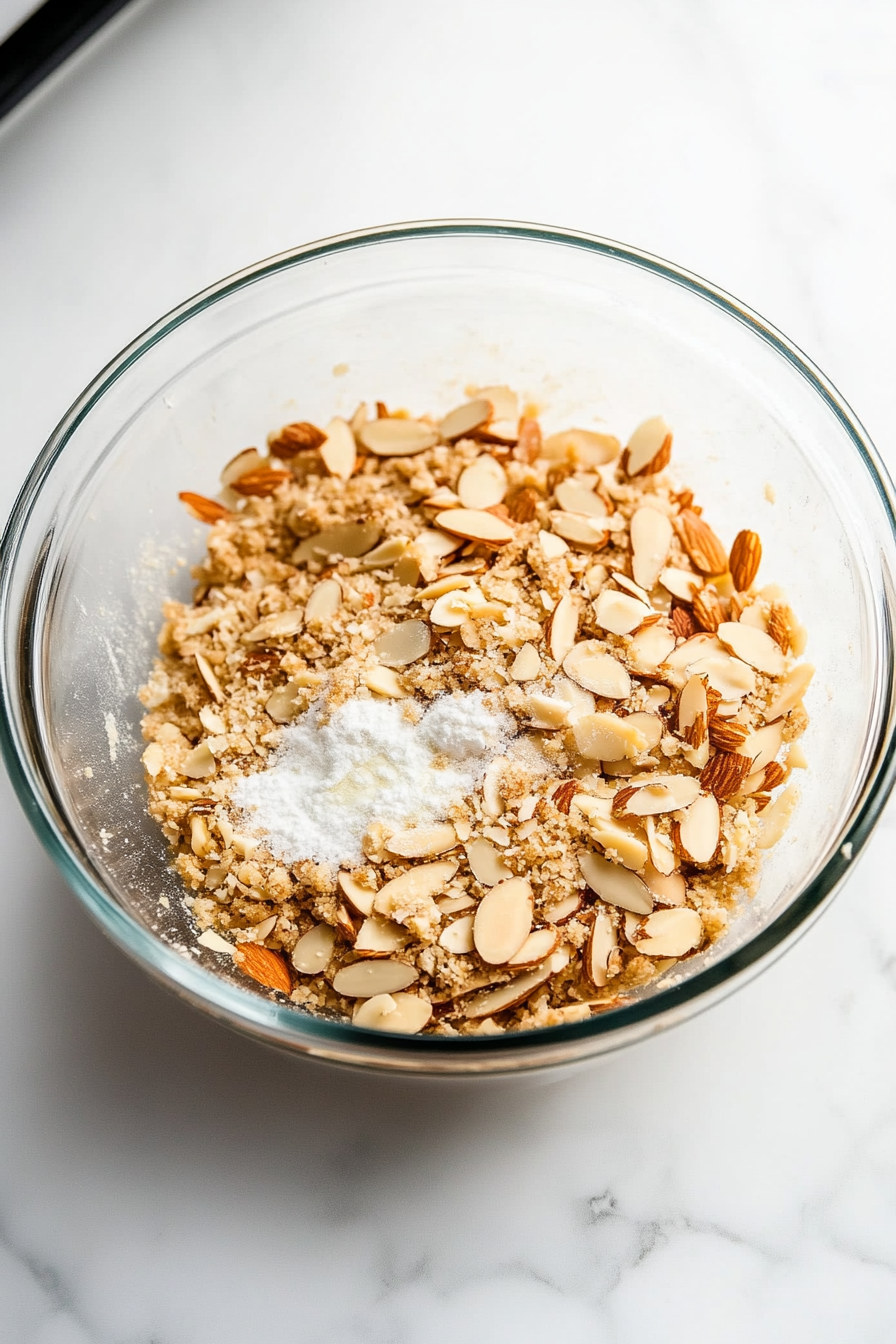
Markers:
(467, 730)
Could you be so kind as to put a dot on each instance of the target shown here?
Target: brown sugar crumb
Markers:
(563, 587)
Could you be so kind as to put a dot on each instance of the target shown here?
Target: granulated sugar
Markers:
(329, 782)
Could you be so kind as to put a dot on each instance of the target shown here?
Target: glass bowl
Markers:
(597, 333)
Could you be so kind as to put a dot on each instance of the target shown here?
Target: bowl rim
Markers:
(277, 1023)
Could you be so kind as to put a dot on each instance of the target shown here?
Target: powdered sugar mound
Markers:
(329, 782)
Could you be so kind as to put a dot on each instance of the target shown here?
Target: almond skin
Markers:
(563, 795)
(683, 623)
(522, 505)
(701, 543)
(724, 773)
(203, 509)
(266, 967)
(296, 438)
(264, 481)
(746, 553)
(708, 610)
(727, 736)
(779, 627)
(528, 446)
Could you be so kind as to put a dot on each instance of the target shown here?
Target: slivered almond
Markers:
(753, 646)
(649, 449)
(629, 586)
(547, 711)
(405, 1014)
(724, 774)
(380, 937)
(432, 541)
(605, 737)
(358, 893)
(697, 835)
(338, 450)
(628, 848)
(791, 691)
(403, 644)
(619, 613)
(614, 884)
(296, 438)
(536, 949)
(475, 525)
(487, 865)
(599, 948)
(263, 965)
(574, 497)
(727, 736)
(744, 560)
(527, 664)
(668, 794)
(365, 979)
(457, 938)
(580, 530)
(390, 437)
(263, 481)
(201, 508)
(463, 419)
(528, 445)
(207, 674)
(592, 667)
(324, 601)
(491, 1001)
(560, 630)
(702, 545)
(651, 725)
(503, 920)
(670, 933)
(314, 950)
(483, 484)
(349, 539)
(651, 535)
(578, 700)
(419, 842)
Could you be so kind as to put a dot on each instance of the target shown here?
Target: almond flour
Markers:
(467, 729)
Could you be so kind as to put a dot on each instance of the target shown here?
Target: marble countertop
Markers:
(164, 1182)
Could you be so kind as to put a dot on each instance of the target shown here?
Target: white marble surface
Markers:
(166, 1183)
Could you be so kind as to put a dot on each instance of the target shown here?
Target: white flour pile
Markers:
(328, 783)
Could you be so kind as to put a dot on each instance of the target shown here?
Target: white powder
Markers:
(327, 783)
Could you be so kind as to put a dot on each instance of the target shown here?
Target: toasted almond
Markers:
(263, 481)
(314, 950)
(726, 736)
(457, 938)
(582, 447)
(358, 893)
(605, 737)
(419, 883)
(762, 746)
(475, 525)
(279, 625)
(744, 559)
(580, 530)
(670, 933)
(503, 920)
(295, 438)
(527, 664)
(380, 937)
(483, 484)
(616, 885)
(491, 1001)
(791, 691)
(250, 459)
(420, 842)
(649, 449)
(575, 497)
(552, 546)
(463, 419)
(200, 763)
(403, 644)
(529, 443)
(338, 449)
(592, 667)
(536, 949)
(681, 583)
(201, 508)
(702, 545)
(651, 534)
(347, 539)
(724, 774)
(560, 630)
(753, 646)
(487, 865)
(777, 817)
(667, 794)
(697, 835)
(324, 601)
(667, 888)
(649, 648)
(390, 437)
(366, 979)
(404, 1014)
(266, 967)
(619, 613)
(208, 676)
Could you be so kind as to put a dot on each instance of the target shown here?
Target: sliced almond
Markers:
(215, 942)
(449, 583)
(475, 525)
(285, 702)
(575, 497)
(731, 677)
(670, 933)
(606, 737)
(776, 818)
(753, 646)
(279, 625)
(562, 627)
(347, 539)
(527, 664)
(454, 608)
(384, 681)
(338, 449)
(586, 533)
(592, 667)
(487, 865)
(457, 938)
(449, 905)
(483, 484)
(434, 542)
(357, 893)
(600, 947)
(763, 746)
(681, 583)
(380, 936)
(576, 698)
(250, 459)
(649, 449)
(547, 711)
(667, 888)
(504, 402)
(664, 795)
(384, 556)
(324, 601)
(390, 437)
(693, 711)
(651, 534)
(420, 883)
(365, 979)
(536, 949)
(564, 909)
(629, 586)
(503, 920)
(405, 1014)
(464, 419)
(619, 613)
(511, 995)
(314, 950)
(200, 763)
(649, 648)
(791, 691)
(698, 833)
(403, 644)
(419, 842)
(651, 725)
(614, 884)
(582, 447)
(628, 848)
(552, 547)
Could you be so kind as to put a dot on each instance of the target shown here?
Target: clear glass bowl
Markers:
(596, 332)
